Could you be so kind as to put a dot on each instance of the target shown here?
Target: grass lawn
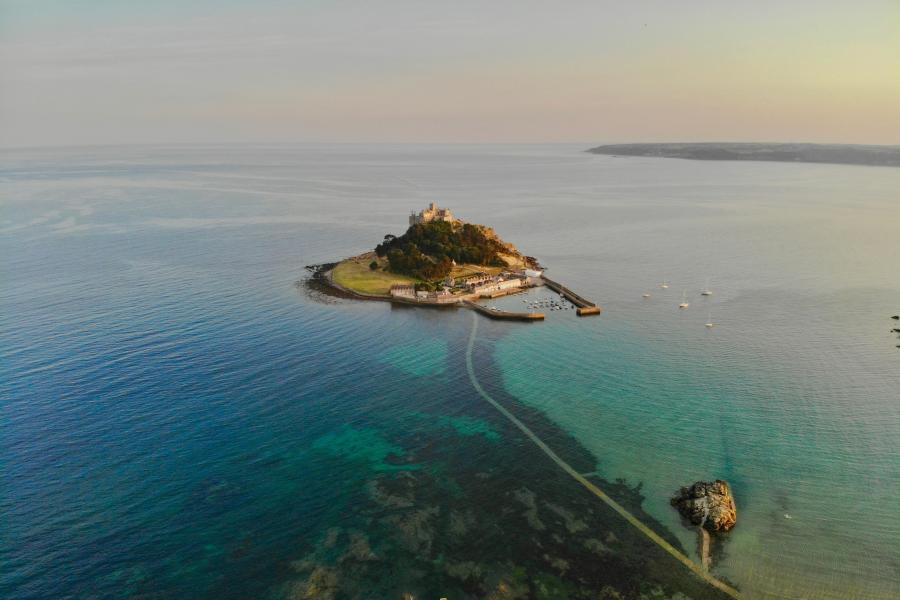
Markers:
(466, 269)
(355, 274)
(469, 269)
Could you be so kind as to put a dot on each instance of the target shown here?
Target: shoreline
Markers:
(323, 274)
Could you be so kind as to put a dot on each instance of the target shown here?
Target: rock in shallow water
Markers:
(708, 504)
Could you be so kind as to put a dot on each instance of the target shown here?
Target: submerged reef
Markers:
(451, 500)
(485, 517)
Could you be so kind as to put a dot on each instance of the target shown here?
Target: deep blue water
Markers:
(181, 418)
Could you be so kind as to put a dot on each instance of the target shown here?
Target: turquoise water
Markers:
(180, 418)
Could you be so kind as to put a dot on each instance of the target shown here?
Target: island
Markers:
(846, 154)
(443, 261)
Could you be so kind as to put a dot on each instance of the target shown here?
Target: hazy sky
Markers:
(129, 71)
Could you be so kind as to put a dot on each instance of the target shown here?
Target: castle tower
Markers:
(432, 213)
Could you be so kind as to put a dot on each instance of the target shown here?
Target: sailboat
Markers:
(664, 285)
(706, 291)
(684, 302)
(709, 323)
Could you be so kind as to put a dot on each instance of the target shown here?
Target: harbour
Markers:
(584, 306)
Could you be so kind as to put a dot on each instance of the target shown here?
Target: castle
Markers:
(432, 213)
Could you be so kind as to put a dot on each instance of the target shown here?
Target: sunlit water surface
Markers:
(168, 390)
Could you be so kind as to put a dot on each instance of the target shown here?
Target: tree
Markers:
(373, 265)
(427, 250)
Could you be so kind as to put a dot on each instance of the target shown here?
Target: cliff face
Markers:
(707, 504)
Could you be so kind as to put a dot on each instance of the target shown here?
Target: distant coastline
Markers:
(845, 154)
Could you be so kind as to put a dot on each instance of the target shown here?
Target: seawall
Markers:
(502, 314)
(584, 306)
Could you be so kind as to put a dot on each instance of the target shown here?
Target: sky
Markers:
(76, 72)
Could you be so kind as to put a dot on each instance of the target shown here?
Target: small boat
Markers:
(684, 302)
(709, 323)
(646, 296)
(664, 285)
(706, 291)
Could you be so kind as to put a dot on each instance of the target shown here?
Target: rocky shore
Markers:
(707, 504)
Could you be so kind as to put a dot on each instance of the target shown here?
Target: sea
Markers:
(186, 415)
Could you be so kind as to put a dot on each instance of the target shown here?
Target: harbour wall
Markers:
(584, 306)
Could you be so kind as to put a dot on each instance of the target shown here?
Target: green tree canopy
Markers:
(427, 250)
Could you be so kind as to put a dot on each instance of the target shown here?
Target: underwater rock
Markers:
(460, 522)
(331, 537)
(511, 589)
(359, 549)
(321, 585)
(466, 571)
(527, 498)
(573, 524)
(416, 529)
(392, 493)
(560, 564)
(597, 547)
(610, 593)
(304, 565)
(708, 504)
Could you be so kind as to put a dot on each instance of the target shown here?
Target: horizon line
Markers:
(588, 145)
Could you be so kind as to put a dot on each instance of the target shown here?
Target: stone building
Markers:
(403, 291)
(498, 284)
(432, 213)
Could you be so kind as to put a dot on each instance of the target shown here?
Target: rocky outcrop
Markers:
(707, 504)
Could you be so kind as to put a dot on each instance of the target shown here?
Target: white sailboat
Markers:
(684, 302)
(664, 285)
(709, 323)
(706, 291)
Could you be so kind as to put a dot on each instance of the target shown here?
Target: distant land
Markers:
(845, 154)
